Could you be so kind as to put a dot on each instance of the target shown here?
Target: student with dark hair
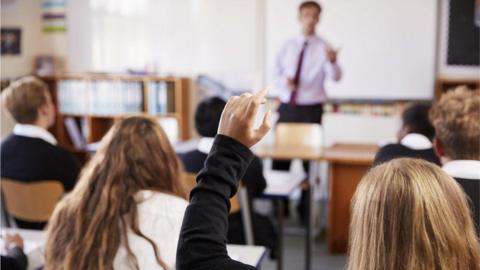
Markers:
(414, 137)
(31, 153)
(207, 118)
(203, 237)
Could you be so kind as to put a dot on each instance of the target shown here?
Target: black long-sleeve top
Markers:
(253, 178)
(14, 260)
(203, 237)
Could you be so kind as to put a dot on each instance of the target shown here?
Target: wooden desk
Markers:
(348, 164)
(289, 153)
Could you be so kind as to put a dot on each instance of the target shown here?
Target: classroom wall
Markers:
(25, 14)
(181, 37)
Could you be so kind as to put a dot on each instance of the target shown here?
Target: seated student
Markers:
(14, 259)
(415, 137)
(127, 208)
(207, 117)
(202, 243)
(409, 214)
(456, 118)
(31, 153)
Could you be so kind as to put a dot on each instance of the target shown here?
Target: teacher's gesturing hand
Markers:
(238, 118)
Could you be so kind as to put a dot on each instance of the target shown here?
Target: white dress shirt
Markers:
(315, 68)
(33, 131)
(416, 141)
(160, 218)
(466, 169)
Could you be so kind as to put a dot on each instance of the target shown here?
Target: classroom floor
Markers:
(294, 257)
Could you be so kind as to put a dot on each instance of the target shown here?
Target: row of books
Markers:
(161, 98)
(100, 97)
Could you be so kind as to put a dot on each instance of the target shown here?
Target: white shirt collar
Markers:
(416, 141)
(33, 131)
(466, 169)
(205, 144)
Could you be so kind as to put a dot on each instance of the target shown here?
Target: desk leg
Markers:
(310, 217)
(280, 210)
(344, 179)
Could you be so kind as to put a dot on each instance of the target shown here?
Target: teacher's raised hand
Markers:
(238, 118)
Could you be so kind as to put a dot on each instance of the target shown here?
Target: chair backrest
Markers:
(298, 135)
(189, 182)
(33, 202)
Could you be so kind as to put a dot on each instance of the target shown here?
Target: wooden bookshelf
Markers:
(96, 124)
(444, 84)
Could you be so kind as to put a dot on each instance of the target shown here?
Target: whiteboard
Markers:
(387, 47)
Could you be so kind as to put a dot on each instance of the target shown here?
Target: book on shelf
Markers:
(161, 97)
(100, 97)
(76, 135)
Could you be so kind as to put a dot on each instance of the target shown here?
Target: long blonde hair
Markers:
(409, 214)
(91, 222)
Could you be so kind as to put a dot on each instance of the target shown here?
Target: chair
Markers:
(298, 135)
(281, 184)
(32, 202)
(238, 203)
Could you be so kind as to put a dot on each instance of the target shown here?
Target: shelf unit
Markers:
(97, 124)
(444, 84)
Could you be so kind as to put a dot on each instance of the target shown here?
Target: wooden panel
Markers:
(344, 179)
(360, 154)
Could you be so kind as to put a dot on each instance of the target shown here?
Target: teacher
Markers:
(302, 65)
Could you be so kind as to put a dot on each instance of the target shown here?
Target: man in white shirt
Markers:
(302, 65)
(456, 118)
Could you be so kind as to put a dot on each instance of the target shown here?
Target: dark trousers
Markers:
(298, 114)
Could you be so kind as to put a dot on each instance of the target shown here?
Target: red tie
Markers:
(296, 79)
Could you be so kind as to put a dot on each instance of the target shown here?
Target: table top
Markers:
(361, 154)
(345, 153)
(35, 242)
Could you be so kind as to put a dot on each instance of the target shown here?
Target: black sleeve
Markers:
(69, 170)
(15, 260)
(254, 179)
(203, 237)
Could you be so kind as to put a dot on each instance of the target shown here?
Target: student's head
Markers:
(309, 16)
(409, 214)
(91, 222)
(456, 118)
(415, 120)
(29, 102)
(207, 116)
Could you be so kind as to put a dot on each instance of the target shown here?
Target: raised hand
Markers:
(238, 118)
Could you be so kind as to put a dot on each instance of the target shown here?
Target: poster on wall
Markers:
(54, 16)
(11, 41)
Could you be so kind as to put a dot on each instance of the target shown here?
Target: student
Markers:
(207, 117)
(409, 214)
(415, 137)
(202, 243)
(31, 153)
(456, 118)
(127, 208)
(14, 259)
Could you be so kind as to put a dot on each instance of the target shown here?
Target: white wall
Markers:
(182, 37)
(25, 14)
